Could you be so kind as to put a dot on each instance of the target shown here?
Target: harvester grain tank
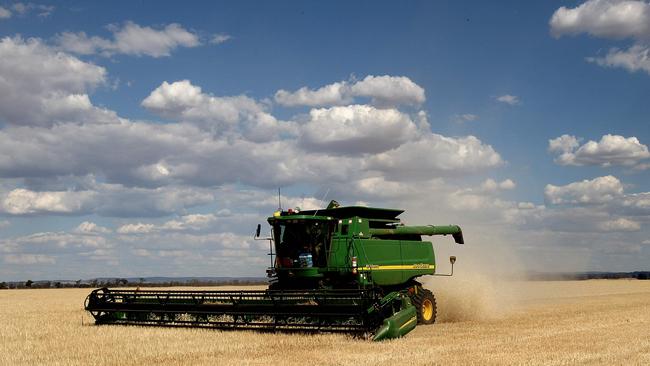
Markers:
(349, 269)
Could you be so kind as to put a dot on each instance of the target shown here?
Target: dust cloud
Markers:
(488, 281)
(472, 297)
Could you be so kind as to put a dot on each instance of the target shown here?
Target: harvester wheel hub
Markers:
(427, 310)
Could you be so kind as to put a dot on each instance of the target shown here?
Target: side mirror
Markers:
(452, 259)
(259, 228)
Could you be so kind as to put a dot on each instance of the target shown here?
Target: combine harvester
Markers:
(340, 269)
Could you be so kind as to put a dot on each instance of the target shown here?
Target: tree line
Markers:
(123, 282)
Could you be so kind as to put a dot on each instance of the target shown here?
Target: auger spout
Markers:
(453, 230)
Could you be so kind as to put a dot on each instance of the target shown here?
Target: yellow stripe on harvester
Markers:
(397, 267)
(413, 319)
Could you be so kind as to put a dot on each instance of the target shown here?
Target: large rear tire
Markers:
(425, 306)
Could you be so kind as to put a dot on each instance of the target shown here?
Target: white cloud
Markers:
(356, 129)
(220, 38)
(604, 18)
(328, 95)
(25, 8)
(40, 86)
(508, 99)
(526, 205)
(241, 114)
(5, 13)
(434, 155)
(184, 223)
(465, 117)
(389, 90)
(88, 227)
(563, 144)
(29, 259)
(620, 224)
(138, 228)
(24, 202)
(383, 90)
(597, 190)
(610, 150)
(610, 19)
(130, 39)
(106, 200)
(190, 222)
(635, 58)
(490, 185)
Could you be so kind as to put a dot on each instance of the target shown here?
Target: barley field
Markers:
(596, 322)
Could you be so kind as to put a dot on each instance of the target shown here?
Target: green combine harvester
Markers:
(339, 269)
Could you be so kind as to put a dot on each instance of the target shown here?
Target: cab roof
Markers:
(352, 211)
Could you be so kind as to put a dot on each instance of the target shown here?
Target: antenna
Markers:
(279, 200)
(322, 201)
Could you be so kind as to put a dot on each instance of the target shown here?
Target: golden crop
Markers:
(556, 323)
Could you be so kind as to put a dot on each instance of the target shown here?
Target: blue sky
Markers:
(150, 138)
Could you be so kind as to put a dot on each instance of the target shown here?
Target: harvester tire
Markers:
(425, 306)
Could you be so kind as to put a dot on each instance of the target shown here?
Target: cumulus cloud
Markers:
(356, 129)
(26, 8)
(137, 228)
(610, 19)
(610, 150)
(490, 185)
(220, 38)
(24, 202)
(186, 102)
(88, 227)
(597, 190)
(4, 13)
(382, 90)
(29, 259)
(508, 99)
(635, 58)
(389, 90)
(563, 144)
(184, 223)
(328, 95)
(603, 18)
(105, 200)
(465, 117)
(41, 86)
(620, 224)
(130, 39)
(434, 155)
(147, 154)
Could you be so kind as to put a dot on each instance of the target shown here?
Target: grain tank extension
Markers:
(339, 269)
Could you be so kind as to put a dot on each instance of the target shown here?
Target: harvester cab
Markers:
(352, 269)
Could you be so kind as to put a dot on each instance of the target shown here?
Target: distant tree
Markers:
(58, 285)
(29, 283)
(3, 286)
(123, 281)
(77, 283)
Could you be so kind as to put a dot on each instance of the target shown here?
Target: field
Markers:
(554, 323)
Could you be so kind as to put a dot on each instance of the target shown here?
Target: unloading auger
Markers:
(339, 269)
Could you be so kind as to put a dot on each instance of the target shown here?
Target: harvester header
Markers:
(352, 269)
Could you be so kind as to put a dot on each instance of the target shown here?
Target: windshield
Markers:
(298, 239)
